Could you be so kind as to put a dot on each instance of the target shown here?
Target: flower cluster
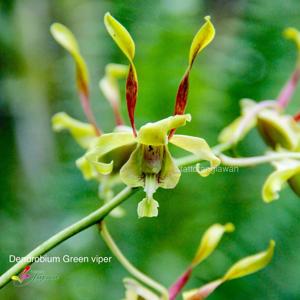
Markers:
(140, 158)
(279, 130)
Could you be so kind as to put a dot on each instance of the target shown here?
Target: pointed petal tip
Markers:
(229, 227)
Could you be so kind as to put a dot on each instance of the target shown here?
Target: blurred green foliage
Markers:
(41, 191)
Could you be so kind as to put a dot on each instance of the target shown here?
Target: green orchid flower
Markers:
(275, 127)
(150, 164)
(138, 158)
(280, 131)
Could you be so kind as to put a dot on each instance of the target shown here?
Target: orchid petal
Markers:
(294, 35)
(155, 134)
(199, 148)
(136, 291)
(125, 42)
(279, 129)
(170, 173)
(110, 88)
(244, 267)
(202, 39)
(210, 241)
(131, 172)
(250, 264)
(236, 130)
(148, 207)
(274, 183)
(87, 168)
(203, 292)
(103, 146)
(83, 133)
(68, 41)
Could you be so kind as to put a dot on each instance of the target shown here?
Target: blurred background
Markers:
(41, 190)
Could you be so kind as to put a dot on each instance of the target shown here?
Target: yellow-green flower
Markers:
(280, 131)
(150, 164)
(138, 158)
(209, 242)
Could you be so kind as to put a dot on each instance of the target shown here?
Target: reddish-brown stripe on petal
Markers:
(182, 93)
(131, 96)
(181, 97)
(297, 117)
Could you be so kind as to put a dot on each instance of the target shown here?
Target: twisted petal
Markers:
(202, 38)
(199, 148)
(285, 172)
(250, 264)
(155, 134)
(103, 146)
(244, 267)
(125, 42)
(120, 35)
(210, 241)
(83, 133)
(87, 169)
(68, 41)
(110, 88)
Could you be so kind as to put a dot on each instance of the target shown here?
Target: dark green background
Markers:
(41, 190)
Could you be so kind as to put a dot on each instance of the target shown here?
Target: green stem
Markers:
(66, 233)
(256, 160)
(128, 266)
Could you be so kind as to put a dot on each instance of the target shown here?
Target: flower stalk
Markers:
(127, 264)
(66, 233)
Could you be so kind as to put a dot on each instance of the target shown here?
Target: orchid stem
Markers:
(66, 233)
(127, 264)
(256, 160)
